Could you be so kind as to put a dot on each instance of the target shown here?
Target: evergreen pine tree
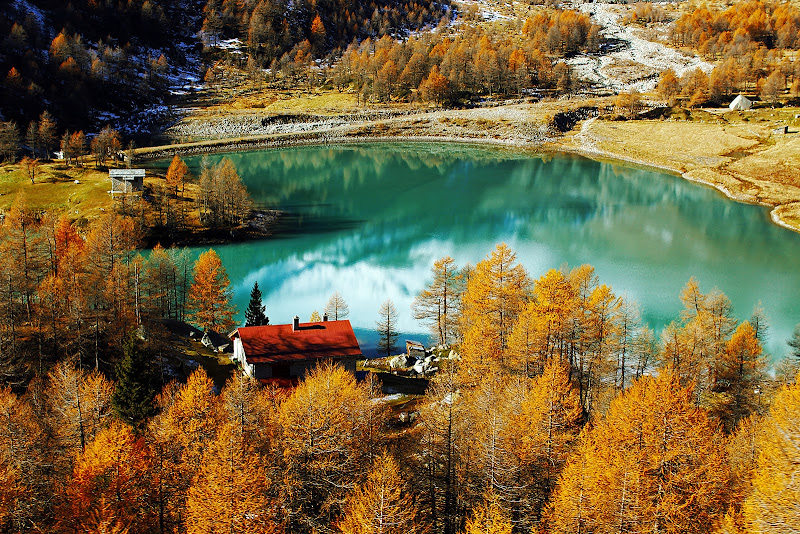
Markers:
(794, 342)
(133, 398)
(254, 314)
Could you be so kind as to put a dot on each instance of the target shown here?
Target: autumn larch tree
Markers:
(22, 241)
(327, 429)
(445, 424)
(315, 318)
(669, 86)
(106, 143)
(31, 165)
(774, 505)
(80, 405)
(9, 140)
(336, 308)
(230, 492)
(177, 176)
(496, 294)
(387, 327)
(210, 294)
(546, 423)
(25, 468)
(435, 87)
(47, 133)
(188, 423)
(737, 375)
(693, 348)
(521, 432)
(438, 304)
(656, 463)
(254, 314)
(543, 329)
(224, 199)
(111, 484)
(250, 408)
(489, 518)
(382, 504)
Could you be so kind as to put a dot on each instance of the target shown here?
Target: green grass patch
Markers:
(54, 189)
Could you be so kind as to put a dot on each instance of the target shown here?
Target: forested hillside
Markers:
(753, 43)
(89, 62)
(273, 27)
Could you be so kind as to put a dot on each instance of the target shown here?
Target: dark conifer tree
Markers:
(134, 394)
(254, 314)
(794, 342)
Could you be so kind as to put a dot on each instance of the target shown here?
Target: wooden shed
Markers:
(126, 180)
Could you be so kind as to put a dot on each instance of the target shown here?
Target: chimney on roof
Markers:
(266, 320)
(296, 323)
(324, 317)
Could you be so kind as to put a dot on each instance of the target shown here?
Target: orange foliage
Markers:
(655, 463)
(382, 505)
(111, 481)
(774, 505)
(177, 173)
(229, 492)
(210, 293)
(496, 294)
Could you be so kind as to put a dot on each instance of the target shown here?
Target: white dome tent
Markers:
(741, 103)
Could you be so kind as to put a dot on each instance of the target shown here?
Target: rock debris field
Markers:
(635, 63)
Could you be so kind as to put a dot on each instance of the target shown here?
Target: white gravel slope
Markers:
(655, 57)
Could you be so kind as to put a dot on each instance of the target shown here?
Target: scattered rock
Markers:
(398, 362)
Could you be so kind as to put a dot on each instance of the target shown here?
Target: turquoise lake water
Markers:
(369, 221)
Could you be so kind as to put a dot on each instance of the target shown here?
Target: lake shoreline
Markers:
(543, 141)
(259, 226)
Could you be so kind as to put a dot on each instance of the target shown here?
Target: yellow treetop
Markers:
(496, 293)
(382, 505)
(656, 463)
(774, 505)
(229, 493)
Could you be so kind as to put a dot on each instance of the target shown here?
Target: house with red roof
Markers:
(284, 352)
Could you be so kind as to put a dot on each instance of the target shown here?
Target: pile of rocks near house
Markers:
(419, 361)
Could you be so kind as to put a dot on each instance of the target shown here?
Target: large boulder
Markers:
(421, 367)
(398, 362)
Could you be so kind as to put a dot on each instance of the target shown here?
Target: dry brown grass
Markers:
(271, 101)
(733, 151)
(678, 145)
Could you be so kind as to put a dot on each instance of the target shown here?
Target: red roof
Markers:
(280, 343)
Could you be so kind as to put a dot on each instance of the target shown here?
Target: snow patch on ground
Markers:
(233, 46)
(616, 70)
(26, 7)
(485, 9)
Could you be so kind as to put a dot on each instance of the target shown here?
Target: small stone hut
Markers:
(126, 180)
